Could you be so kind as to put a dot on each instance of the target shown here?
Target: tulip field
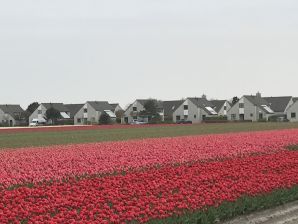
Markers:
(182, 179)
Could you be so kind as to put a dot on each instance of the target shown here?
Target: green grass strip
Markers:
(33, 139)
(228, 210)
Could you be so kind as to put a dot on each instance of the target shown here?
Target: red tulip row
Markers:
(152, 194)
(57, 162)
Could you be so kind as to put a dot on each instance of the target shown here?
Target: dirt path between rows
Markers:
(285, 214)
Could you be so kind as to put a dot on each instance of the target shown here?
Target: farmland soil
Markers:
(285, 214)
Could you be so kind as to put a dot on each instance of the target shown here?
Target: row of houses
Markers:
(196, 110)
(192, 109)
(79, 114)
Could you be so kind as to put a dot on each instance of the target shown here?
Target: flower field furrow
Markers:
(76, 128)
(57, 162)
(152, 194)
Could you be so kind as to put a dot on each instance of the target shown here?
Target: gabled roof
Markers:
(202, 103)
(114, 105)
(11, 109)
(257, 101)
(100, 105)
(260, 102)
(218, 104)
(295, 99)
(278, 104)
(170, 106)
(73, 108)
(58, 106)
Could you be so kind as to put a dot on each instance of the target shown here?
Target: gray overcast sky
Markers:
(72, 51)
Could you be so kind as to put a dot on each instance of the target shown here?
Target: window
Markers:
(178, 118)
(204, 117)
(241, 105)
(135, 118)
(17, 114)
(293, 115)
(233, 116)
(85, 110)
(261, 116)
(134, 109)
(185, 107)
(185, 117)
(225, 107)
(79, 120)
(251, 114)
(39, 111)
(195, 116)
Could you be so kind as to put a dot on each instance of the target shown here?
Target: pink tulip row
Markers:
(57, 162)
(151, 194)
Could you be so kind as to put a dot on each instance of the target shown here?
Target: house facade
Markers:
(11, 115)
(279, 105)
(221, 107)
(292, 112)
(132, 113)
(40, 112)
(91, 111)
(169, 107)
(195, 110)
(116, 107)
(250, 108)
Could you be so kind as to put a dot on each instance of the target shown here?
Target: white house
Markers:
(221, 107)
(11, 115)
(40, 112)
(116, 107)
(292, 111)
(91, 112)
(195, 110)
(132, 113)
(250, 108)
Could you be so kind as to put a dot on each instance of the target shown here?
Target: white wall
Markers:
(293, 109)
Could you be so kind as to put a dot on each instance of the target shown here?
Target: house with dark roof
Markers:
(194, 109)
(73, 109)
(279, 105)
(40, 112)
(132, 112)
(91, 111)
(116, 107)
(251, 108)
(11, 115)
(221, 106)
(169, 108)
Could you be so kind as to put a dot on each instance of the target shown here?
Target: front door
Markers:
(10, 123)
(260, 116)
(241, 117)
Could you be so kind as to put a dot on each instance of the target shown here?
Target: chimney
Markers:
(204, 96)
(258, 95)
